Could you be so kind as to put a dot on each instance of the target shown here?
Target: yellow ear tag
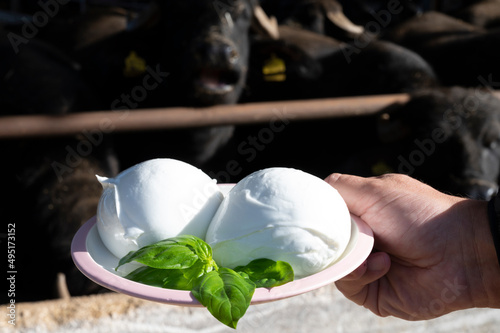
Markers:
(134, 65)
(381, 168)
(274, 69)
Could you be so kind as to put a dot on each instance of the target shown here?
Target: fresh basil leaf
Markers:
(197, 245)
(165, 256)
(226, 294)
(267, 273)
(163, 278)
(185, 263)
(202, 249)
(186, 279)
(176, 279)
(148, 275)
(180, 279)
(173, 253)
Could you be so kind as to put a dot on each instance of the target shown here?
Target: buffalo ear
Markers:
(263, 24)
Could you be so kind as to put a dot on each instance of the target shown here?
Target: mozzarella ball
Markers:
(281, 214)
(155, 200)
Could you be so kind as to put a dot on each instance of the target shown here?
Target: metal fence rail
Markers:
(182, 117)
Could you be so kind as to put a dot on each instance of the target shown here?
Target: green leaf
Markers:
(173, 253)
(148, 275)
(176, 279)
(226, 294)
(174, 263)
(185, 263)
(186, 279)
(267, 273)
(180, 279)
(163, 278)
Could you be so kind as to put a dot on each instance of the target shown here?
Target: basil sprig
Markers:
(185, 263)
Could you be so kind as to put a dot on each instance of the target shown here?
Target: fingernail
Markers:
(377, 262)
(332, 178)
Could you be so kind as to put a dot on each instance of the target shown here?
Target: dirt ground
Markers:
(323, 310)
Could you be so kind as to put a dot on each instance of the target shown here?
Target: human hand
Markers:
(436, 252)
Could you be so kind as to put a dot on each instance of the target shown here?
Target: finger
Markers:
(357, 273)
(355, 285)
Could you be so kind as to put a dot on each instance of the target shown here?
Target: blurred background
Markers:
(106, 64)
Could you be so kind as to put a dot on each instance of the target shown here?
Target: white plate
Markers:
(95, 261)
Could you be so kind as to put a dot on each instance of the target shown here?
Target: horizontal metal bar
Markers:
(181, 117)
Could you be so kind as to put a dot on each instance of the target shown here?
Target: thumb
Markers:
(354, 190)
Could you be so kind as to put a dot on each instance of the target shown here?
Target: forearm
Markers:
(494, 220)
(483, 268)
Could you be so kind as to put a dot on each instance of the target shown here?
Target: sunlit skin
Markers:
(434, 253)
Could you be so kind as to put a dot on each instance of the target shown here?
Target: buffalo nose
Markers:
(217, 52)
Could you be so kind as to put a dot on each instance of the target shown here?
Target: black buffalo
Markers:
(484, 13)
(202, 46)
(325, 17)
(306, 65)
(460, 53)
(39, 78)
(186, 53)
(67, 26)
(303, 65)
(447, 137)
(49, 188)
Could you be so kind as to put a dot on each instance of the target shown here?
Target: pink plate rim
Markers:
(94, 271)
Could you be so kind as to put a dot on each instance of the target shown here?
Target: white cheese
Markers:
(155, 200)
(281, 214)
